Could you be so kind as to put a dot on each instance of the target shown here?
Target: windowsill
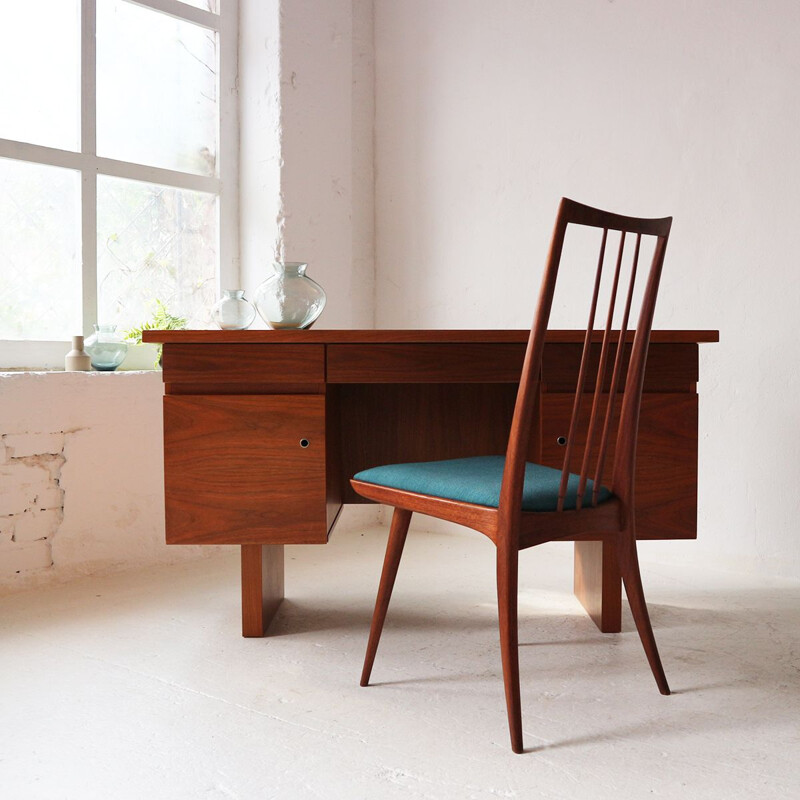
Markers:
(21, 356)
(8, 373)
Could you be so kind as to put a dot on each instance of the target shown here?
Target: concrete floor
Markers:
(139, 686)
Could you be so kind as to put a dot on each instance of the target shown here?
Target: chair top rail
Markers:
(579, 214)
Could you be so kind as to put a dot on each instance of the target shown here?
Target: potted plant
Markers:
(160, 320)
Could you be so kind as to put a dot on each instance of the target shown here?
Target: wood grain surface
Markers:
(394, 423)
(666, 467)
(235, 471)
(372, 336)
(427, 362)
(262, 587)
(240, 363)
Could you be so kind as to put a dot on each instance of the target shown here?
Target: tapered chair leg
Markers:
(507, 579)
(632, 579)
(394, 549)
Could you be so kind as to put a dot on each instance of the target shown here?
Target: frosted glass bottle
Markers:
(233, 312)
(289, 298)
(106, 348)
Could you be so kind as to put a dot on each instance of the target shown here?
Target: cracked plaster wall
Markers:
(31, 500)
(81, 476)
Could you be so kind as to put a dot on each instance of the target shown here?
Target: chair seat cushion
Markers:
(477, 480)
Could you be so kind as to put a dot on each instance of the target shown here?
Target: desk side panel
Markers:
(666, 463)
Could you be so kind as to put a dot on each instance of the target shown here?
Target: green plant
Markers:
(161, 320)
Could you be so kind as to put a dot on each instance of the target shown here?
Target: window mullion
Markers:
(179, 10)
(89, 170)
(227, 136)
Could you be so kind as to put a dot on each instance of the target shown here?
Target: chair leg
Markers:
(394, 549)
(507, 579)
(632, 578)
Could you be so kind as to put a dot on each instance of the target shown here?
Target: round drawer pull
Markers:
(561, 441)
(304, 443)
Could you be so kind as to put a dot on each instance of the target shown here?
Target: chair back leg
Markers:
(507, 583)
(394, 550)
(632, 579)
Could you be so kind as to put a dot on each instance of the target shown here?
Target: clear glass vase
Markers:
(233, 312)
(106, 348)
(289, 298)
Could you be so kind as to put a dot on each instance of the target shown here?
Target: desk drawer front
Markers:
(670, 367)
(245, 469)
(459, 362)
(244, 363)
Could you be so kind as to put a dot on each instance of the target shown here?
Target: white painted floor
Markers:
(139, 685)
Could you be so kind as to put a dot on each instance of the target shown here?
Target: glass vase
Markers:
(233, 312)
(106, 348)
(289, 298)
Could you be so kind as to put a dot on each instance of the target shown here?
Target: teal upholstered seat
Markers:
(478, 480)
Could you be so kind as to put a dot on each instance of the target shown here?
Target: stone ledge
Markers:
(13, 373)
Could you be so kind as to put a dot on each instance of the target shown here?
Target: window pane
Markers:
(40, 252)
(40, 63)
(154, 243)
(156, 89)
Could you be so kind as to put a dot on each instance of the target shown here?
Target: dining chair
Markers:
(518, 504)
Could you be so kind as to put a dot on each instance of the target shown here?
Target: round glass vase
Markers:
(233, 312)
(106, 348)
(289, 298)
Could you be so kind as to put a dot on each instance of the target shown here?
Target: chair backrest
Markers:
(594, 391)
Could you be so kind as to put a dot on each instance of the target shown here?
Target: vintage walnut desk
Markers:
(263, 429)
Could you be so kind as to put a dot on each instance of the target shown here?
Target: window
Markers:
(117, 167)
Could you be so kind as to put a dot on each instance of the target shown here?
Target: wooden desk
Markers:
(263, 429)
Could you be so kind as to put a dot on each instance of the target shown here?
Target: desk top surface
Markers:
(321, 336)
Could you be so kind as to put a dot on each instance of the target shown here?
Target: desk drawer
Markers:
(424, 362)
(245, 469)
(270, 364)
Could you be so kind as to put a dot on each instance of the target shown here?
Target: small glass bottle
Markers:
(106, 348)
(289, 298)
(233, 312)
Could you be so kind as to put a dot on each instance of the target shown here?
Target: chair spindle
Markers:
(615, 375)
(601, 374)
(587, 346)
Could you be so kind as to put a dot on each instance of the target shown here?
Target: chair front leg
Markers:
(394, 550)
(632, 579)
(507, 581)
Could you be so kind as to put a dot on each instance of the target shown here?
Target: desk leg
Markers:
(598, 584)
(262, 586)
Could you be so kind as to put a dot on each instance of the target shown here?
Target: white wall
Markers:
(487, 113)
(326, 141)
(306, 77)
(259, 140)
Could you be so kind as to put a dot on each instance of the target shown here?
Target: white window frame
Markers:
(18, 354)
